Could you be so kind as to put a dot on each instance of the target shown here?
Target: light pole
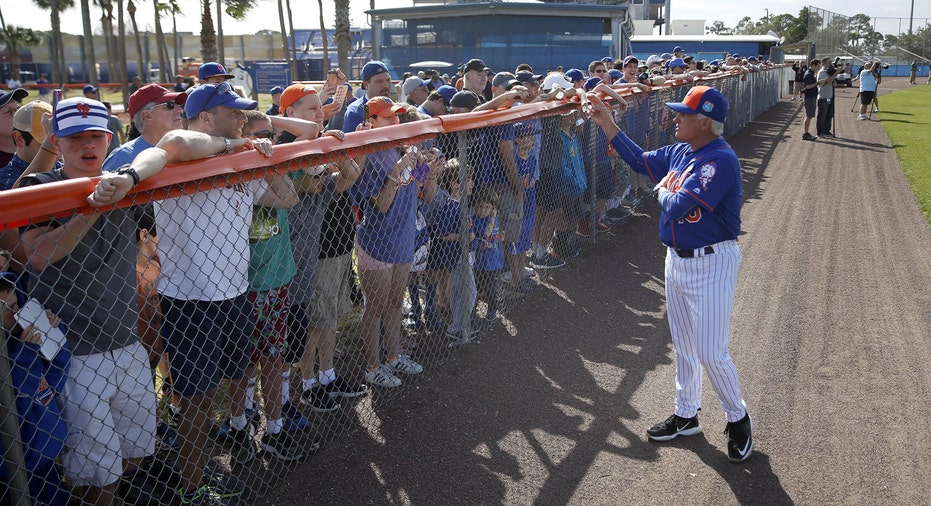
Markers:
(767, 17)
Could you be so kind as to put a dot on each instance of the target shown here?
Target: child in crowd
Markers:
(37, 383)
(447, 244)
(489, 257)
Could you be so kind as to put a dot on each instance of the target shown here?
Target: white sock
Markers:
(285, 387)
(238, 422)
(539, 250)
(309, 383)
(327, 377)
(273, 426)
(250, 393)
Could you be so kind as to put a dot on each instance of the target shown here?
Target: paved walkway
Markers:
(830, 334)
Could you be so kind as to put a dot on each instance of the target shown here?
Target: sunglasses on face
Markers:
(168, 105)
(263, 134)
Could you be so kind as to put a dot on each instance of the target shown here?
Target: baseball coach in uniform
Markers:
(698, 187)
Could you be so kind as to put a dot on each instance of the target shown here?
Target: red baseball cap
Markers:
(153, 93)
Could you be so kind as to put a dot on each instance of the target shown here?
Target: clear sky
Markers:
(306, 14)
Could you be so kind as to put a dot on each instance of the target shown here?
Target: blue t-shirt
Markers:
(808, 80)
(446, 254)
(124, 154)
(489, 255)
(704, 205)
(387, 237)
(491, 170)
(867, 81)
(353, 115)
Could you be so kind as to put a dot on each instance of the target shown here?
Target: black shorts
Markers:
(866, 97)
(811, 107)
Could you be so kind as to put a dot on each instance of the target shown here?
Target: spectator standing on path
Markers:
(799, 81)
(913, 72)
(45, 91)
(826, 77)
(868, 83)
(810, 96)
(13, 83)
(700, 193)
(91, 92)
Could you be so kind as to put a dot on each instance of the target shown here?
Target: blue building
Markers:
(503, 34)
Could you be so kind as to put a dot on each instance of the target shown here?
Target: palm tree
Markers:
(17, 38)
(237, 9)
(343, 40)
(284, 39)
(142, 68)
(326, 43)
(121, 53)
(89, 57)
(208, 38)
(106, 19)
(160, 8)
(58, 48)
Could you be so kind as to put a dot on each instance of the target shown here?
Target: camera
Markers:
(644, 78)
(836, 63)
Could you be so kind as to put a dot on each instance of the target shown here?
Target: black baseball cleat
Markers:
(739, 439)
(674, 426)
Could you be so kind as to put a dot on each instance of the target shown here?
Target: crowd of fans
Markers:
(255, 276)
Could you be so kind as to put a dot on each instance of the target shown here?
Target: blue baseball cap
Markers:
(212, 69)
(615, 74)
(676, 62)
(447, 92)
(79, 114)
(207, 96)
(275, 90)
(574, 75)
(678, 49)
(704, 100)
(89, 89)
(372, 69)
(665, 56)
(591, 83)
(607, 59)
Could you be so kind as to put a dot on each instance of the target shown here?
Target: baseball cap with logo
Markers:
(153, 93)
(676, 62)
(293, 93)
(574, 75)
(208, 96)
(703, 100)
(212, 69)
(678, 49)
(384, 107)
(28, 118)
(607, 59)
(372, 69)
(475, 64)
(631, 58)
(89, 89)
(75, 115)
(18, 94)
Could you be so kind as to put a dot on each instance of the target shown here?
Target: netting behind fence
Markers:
(233, 314)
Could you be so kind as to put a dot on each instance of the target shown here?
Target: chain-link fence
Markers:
(235, 313)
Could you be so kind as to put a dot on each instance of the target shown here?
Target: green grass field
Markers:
(911, 136)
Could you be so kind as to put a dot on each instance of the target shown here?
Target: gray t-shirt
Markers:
(305, 220)
(827, 90)
(93, 288)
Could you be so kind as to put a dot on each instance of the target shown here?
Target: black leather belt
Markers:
(689, 253)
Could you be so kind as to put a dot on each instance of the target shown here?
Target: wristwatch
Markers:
(127, 169)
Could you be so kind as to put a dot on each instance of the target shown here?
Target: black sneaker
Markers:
(547, 261)
(674, 426)
(318, 399)
(340, 387)
(739, 439)
(242, 446)
(808, 137)
(282, 446)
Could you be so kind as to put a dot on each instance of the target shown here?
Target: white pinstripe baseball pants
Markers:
(699, 299)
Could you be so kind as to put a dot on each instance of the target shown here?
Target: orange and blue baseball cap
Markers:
(704, 100)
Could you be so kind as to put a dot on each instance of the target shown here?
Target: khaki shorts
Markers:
(331, 293)
(510, 215)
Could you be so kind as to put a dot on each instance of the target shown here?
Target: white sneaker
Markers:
(383, 377)
(506, 277)
(861, 117)
(405, 365)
